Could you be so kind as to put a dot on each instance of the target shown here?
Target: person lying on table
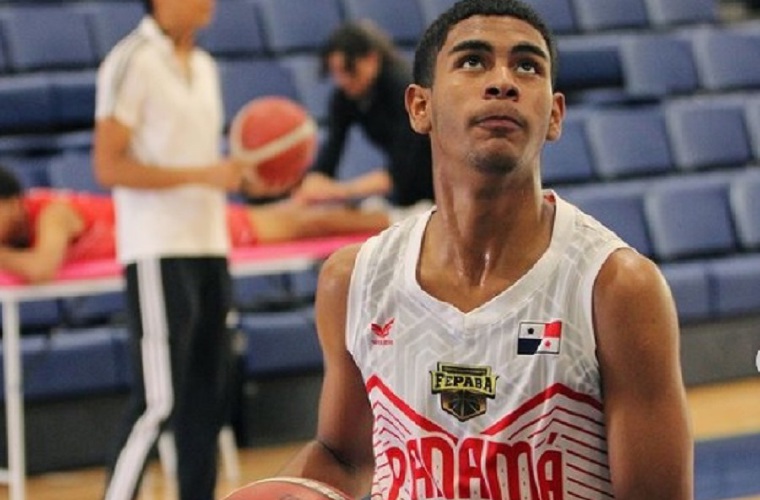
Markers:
(41, 229)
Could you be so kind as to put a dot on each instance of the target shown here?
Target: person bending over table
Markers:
(370, 76)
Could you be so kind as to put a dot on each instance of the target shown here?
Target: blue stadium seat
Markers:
(40, 315)
(690, 217)
(669, 13)
(75, 140)
(314, 91)
(744, 195)
(558, 14)
(568, 160)
(68, 362)
(752, 119)
(49, 36)
(269, 292)
(122, 356)
(589, 61)
(103, 308)
(620, 207)
(3, 51)
(657, 65)
(25, 103)
(690, 287)
(27, 143)
(431, 9)
(72, 170)
(235, 31)
(726, 59)
(110, 22)
(279, 343)
(707, 133)
(401, 19)
(31, 170)
(244, 80)
(596, 15)
(290, 29)
(735, 284)
(629, 142)
(304, 283)
(73, 99)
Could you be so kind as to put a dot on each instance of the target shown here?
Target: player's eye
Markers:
(471, 61)
(528, 66)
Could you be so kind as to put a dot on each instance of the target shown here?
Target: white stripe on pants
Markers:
(157, 378)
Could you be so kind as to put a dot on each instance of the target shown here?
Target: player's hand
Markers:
(319, 188)
(253, 185)
(228, 174)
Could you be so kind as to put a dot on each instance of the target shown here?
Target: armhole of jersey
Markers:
(589, 281)
(356, 291)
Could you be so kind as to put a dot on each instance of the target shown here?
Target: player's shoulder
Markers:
(128, 52)
(337, 269)
(626, 274)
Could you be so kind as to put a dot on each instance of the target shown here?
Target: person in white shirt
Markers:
(157, 143)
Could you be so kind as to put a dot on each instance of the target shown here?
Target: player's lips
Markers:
(499, 120)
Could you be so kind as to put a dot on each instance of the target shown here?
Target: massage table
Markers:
(98, 277)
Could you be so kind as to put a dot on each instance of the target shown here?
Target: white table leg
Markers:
(14, 401)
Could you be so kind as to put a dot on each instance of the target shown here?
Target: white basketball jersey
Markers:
(503, 402)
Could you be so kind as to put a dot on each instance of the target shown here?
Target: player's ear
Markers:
(557, 117)
(417, 101)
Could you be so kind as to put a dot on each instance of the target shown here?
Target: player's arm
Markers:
(648, 427)
(116, 166)
(375, 182)
(57, 225)
(341, 453)
(318, 187)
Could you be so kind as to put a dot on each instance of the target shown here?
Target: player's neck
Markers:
(482, 238)
(468, 258)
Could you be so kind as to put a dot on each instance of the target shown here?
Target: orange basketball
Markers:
(277, 135)
(292, 488)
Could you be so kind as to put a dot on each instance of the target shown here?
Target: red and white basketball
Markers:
(292, 488)
(277, 135)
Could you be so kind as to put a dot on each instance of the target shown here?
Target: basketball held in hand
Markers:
(292, 488)
(275, 135)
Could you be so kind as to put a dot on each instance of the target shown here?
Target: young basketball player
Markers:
(505, 344)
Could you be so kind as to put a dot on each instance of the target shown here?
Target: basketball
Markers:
(277, 135)
(292, 488)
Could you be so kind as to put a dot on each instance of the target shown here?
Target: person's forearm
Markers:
(115, 165)
(376, 182)
(314, 461)
(25, 264)
(130, 173)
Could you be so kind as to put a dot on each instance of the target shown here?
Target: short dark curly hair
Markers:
(434, 37)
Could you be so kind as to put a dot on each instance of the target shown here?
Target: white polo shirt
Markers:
(176, 121)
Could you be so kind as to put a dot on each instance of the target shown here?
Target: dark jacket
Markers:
(385, 122)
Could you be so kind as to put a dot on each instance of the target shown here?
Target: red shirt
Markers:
(97, 239)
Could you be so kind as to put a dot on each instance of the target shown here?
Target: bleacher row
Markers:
(661, 143)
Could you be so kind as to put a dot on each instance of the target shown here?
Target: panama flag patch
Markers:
(539, 338)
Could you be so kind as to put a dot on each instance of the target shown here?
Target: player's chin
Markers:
(493, 161)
